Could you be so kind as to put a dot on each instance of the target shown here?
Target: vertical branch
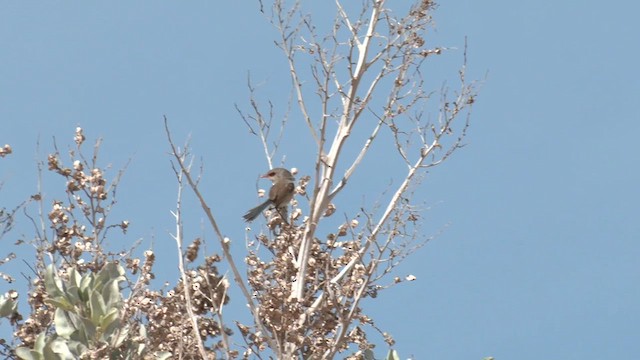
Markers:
(326, 169)
(224, 242)
(178, 237)
(225, 337)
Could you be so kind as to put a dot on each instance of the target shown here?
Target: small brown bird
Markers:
(280, 194)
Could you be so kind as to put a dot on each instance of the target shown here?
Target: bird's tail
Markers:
(253, 213)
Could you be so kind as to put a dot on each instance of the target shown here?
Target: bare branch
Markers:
(185, 279)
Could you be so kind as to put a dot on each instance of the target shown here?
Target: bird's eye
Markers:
(273, 173)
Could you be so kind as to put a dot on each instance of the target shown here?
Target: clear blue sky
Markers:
(540, 258)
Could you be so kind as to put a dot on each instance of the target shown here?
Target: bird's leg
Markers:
(282, 211)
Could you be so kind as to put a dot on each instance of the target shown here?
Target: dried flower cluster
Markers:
(165, 314)
(158, 321)
(79, 221)
(330, 307)
(5, 150)
(79, 225)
